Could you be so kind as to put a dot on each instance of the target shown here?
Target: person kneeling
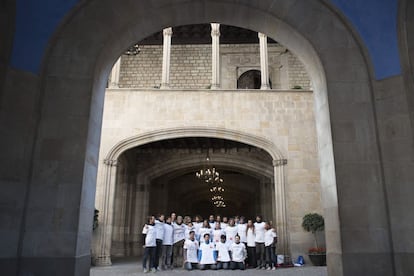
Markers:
(223, 256)
(207, 254)
(238, 254)
(190, 252)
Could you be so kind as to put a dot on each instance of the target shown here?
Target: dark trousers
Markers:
(269, 256)
(166, 256)
(149, 255)
(207, 266)
(237, 265)
(260, 254)
(251, 256)
(158, 253)
(223, 265)
(178, 258)
(190, 266)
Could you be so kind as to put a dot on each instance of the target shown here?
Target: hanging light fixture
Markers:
(209, 174)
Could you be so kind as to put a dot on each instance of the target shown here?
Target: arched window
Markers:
(250, 80)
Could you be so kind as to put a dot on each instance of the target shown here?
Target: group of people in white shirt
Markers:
(215, 243)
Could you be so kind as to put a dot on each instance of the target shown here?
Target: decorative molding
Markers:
(279, 162)
(111, 162)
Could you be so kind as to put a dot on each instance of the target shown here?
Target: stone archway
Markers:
(85, 48)
(107, 178)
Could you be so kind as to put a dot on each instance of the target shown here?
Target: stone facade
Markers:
(191, 66)
(283, 117)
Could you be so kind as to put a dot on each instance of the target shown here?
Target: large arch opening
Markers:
(310, 29)
(159, 177)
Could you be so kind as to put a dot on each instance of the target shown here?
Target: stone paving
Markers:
(132, 267)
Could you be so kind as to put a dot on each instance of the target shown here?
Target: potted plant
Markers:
(314, 223)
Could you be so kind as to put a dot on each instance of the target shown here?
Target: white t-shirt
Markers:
(187, 231)
(168, 234)
(223, 225)
(223, 252)
(238, 252)
(191, 247)
(217, 235)
(241, 231)
(179, 232)
(159, 228)
(260, 231)
(251, 238)
(150, 238)
(269, 236)
(204, 231)
(207, 253)
(231, 232)
(197, 226)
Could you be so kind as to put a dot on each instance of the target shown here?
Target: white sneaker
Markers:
(145, 270)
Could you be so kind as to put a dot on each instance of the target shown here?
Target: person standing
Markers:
(159, 230)
(190, 252)
(216, 233)
(251, 244)
(270, 239)
(259, 227)
(211, 221)
(231, 231)
(238, 254)
(205, 229)
(167, 245)
(149, 244)
(241, 230)
(198, 222)
(178, 240)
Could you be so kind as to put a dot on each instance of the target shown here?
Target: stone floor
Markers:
(134, 267)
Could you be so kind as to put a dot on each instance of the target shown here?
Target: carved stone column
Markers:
(166, 56)
(215, 55)
(103, 237)
(280, 200)
(116, 70)
(264, 68)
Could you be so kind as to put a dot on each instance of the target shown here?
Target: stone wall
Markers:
(285, 118)
(297, 73)
(191, 66)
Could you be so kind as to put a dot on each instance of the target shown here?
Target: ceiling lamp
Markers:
(209, 174)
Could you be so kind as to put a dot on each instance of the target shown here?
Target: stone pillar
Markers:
(264, 68)
(215, 55)
(105, 205)
(166, 56)
(116, 70)
(280, 201)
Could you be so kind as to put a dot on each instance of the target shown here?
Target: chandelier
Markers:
(209, 174)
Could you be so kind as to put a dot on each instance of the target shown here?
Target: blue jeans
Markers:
(149, 253)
